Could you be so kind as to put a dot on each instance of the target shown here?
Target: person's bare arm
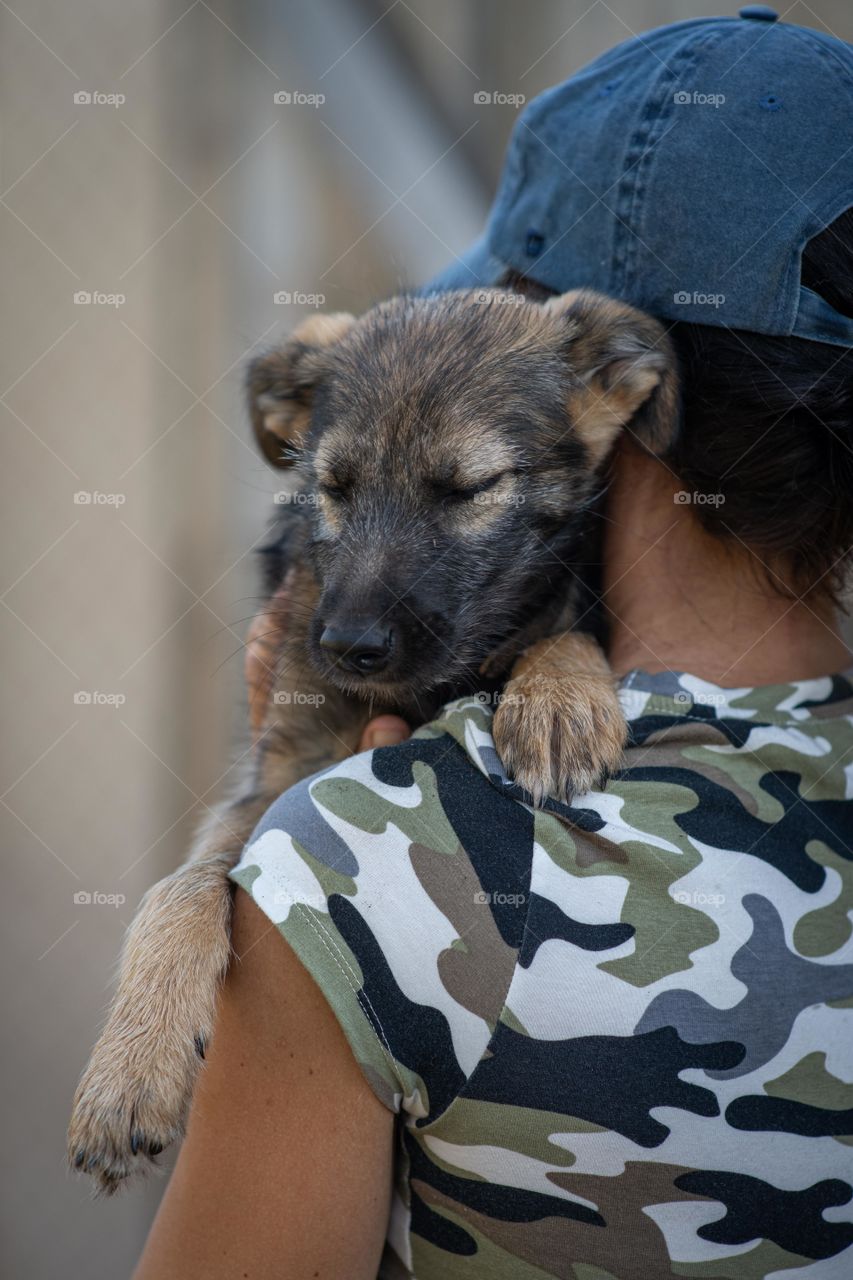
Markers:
(286, 1168)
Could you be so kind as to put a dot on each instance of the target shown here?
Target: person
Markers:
(612, 1038)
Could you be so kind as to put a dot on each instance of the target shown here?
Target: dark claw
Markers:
(136, 1142)
(154, 1148)
(78, 1159)
(92, 1161)
(199, 1046)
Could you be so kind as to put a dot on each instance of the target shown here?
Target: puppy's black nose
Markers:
(361, 647)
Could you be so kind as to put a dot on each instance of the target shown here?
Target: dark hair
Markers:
(768, 430)
(768, 427)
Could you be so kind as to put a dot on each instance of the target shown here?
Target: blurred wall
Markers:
(132, 497)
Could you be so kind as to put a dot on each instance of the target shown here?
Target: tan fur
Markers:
(133, 1096)
(280, 422)
(626, 356)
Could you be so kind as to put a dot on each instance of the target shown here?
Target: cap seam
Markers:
(635, 180)
(829, 55)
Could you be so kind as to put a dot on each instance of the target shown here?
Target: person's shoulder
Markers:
(438, 790)
(400, 876)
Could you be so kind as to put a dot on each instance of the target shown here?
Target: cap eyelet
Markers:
(610, 87)
(770, 102)
(534, 243)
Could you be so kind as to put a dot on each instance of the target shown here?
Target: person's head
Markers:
(698, 172)
(765, 453)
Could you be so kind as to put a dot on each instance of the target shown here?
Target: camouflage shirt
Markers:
(618, 1036)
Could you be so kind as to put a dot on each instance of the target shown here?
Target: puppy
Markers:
(446, 451)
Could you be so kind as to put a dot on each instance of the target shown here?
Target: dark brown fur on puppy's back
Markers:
(446, 452)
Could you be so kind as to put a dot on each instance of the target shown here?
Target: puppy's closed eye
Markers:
(337, 490)
(457, 492)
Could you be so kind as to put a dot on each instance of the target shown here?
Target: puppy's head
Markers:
(453, 444)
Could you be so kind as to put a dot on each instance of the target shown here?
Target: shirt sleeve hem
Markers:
(317, 950)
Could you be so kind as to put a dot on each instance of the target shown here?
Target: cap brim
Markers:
(476, 268)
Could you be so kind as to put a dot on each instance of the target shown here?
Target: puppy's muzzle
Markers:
(357, 646)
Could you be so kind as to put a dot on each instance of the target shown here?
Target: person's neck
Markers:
(680, 600)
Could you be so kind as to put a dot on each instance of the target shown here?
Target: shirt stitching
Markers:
(328, 940)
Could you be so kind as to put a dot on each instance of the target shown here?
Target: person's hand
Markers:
(384, 731)
(262, 647)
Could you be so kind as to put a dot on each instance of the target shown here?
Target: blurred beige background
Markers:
(182, 198)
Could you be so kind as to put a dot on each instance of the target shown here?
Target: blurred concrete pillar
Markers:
(115, 494)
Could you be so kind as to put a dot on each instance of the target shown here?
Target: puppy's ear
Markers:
(281, 384)
(624, 372)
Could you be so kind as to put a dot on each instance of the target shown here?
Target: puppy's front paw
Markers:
(131, 1103)
(559, 736)
(136, 1090)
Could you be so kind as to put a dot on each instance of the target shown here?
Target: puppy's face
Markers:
(451, 445)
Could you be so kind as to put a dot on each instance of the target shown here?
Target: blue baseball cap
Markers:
(684, 172)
